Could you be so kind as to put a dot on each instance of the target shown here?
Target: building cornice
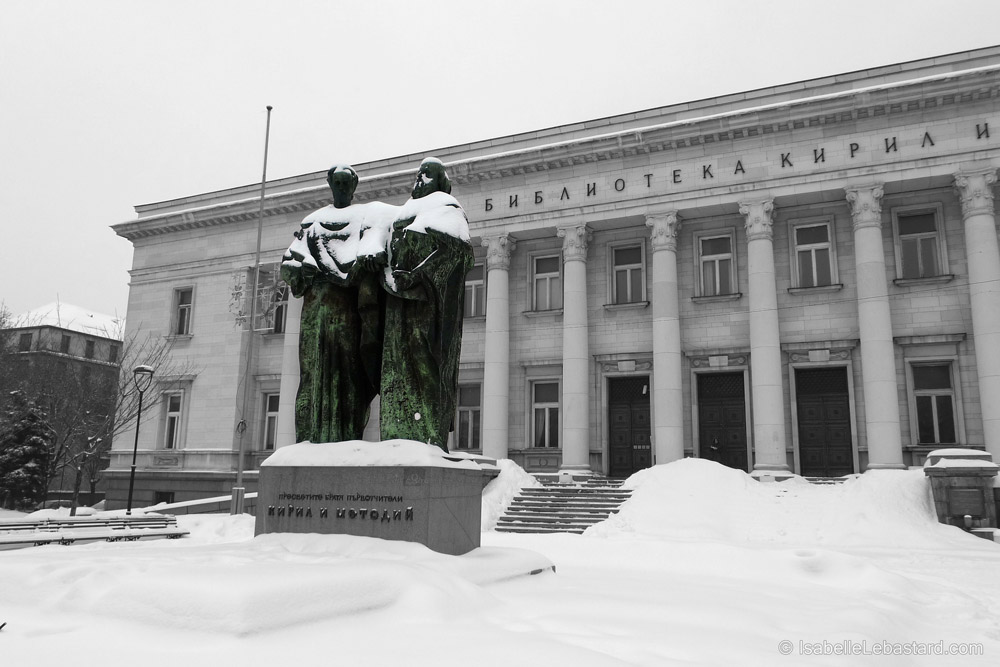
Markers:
(896, 99)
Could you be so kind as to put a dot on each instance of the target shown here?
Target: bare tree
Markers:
(92, 431)
(88, 404)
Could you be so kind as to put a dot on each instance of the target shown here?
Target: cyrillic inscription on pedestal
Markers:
(353, 488)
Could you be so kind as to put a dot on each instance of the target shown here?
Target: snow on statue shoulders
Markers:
(438, 211)
(333, 238)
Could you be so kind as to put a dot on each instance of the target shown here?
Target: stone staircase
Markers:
(563, 508)
(828, 480)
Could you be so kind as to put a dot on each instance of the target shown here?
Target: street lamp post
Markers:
(142, 376)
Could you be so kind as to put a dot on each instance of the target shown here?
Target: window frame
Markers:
(479, 309)
(699, 261)
(65, 343)
(794, 249)
(176, 319)
(613, 272)
(937, 210)
(473, 411)
(547, 406)
(179, 419)
(280, 314)
(956, 400)
(24, 342)
(269, 417)
(89, 349)
(534, 276)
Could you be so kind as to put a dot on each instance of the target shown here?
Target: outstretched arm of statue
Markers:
(298, 274)
(372, 263)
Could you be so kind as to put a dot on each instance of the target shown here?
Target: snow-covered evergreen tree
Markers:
(25, 444)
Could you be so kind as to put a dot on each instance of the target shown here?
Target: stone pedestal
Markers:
(962, 483)
(395, 490)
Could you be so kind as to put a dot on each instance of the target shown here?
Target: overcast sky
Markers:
(108, 104)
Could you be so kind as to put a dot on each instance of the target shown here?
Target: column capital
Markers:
(866, 205)
(576, 239)
(665, 227)
(758, 218)
(498, 250)
(975, 191)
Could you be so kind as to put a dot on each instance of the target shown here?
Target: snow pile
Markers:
(215, 528)
(695, 499)
(59, 513)
(241, 588)
(364, 453)
(502, 489)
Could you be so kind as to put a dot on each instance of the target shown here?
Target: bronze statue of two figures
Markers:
(382, 289)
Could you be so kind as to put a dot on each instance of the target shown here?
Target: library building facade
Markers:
(802, 279)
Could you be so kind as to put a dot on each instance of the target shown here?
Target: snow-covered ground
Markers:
(704, 566)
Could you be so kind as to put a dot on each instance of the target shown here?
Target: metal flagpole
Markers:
(239, 491)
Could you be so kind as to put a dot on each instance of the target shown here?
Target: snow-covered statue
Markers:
(340, 345)
(429, 253)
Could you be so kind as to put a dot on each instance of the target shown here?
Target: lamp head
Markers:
(142, 376)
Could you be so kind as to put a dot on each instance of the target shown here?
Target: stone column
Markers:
(765, 351)
(576, 350)
(878, 359)
(496, 373)
(975, 190)
(668, 399)
(285, 434)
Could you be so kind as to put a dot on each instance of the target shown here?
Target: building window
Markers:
(546, 283)
(475, 292)
(173, 414)
(272, 299)
(545, 410)
(813, 255)
(24, 343)
(717, 266)
(469, 416)
(183, 302)
(64, 344)
(919, 243)
(88, 350)
(113, 352)
(163, 497)
(270, 430)
(628, 270)
(280, 308)
(934, 398)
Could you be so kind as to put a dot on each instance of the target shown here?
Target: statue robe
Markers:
(423, 328)
(340, 346)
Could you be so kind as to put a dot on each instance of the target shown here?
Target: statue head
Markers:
(342, 180)
(431, 177)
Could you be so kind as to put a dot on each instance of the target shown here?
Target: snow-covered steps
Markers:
(562, 508)
(829, 480)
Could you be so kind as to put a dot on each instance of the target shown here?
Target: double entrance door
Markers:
(823, 409)
(629, 440)
(722, 419)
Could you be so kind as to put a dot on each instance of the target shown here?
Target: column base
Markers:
(575, 471)
(771, 473)
(886, 466)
